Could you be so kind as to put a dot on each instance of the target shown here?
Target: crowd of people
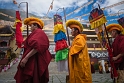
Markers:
(33, 67)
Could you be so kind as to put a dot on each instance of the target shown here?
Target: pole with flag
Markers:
(51, 7)
(97, 22)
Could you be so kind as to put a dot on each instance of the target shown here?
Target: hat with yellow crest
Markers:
(118, 27)
(111, 27)
(74, 24)
(31, 20)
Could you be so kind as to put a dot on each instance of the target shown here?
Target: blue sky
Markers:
(72, 7)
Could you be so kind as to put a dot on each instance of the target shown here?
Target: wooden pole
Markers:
(114, 79)
(66, 27)
(26, 14)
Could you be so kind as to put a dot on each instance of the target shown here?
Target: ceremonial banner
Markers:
(18, 24)
(97, 18)
(61, 47)
(97, 22)
(57, 19)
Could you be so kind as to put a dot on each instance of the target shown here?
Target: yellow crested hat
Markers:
(74, 24)
(31, 20)
(111, 27)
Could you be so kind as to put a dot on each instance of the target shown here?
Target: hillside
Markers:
(9, 15)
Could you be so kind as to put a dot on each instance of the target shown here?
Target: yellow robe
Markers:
(79, 62)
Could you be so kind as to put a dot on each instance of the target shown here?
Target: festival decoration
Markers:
(61, 47)
(18, 24)
(97, 18)
(97, 22)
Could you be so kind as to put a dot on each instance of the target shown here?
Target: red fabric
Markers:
(19, 37)
(95, 14)
(62, 44)
(36, 69)
(113, 69)
(118, 46)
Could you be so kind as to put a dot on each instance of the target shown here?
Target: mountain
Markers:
(9, 15)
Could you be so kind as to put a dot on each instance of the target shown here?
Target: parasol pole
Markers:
(66, 27)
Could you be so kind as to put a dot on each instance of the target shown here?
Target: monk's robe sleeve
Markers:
(39, 41)
(78, 45)
(122, 45)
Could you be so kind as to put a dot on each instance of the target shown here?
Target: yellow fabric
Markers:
(57, 28)
(100, 68)
(102, 38)
(31, 20)
(106, 67)
(74, 22)
(17, 20)
(120, 78)
(98, 22)
(114, 28)
(79, 62)
(99, 38)
(22, 29)
(122, 31)
(8, 53)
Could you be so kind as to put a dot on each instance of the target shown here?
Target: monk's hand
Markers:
(114, 58)
(69, 47)
(23, 62)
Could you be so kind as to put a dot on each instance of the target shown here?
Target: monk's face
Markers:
(113, 33)
(32, 27)
(73, 32)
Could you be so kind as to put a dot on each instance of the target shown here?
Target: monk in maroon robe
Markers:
(33, 67)
(118, 49)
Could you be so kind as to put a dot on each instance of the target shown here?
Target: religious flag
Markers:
(57, 19)
(14, 1)
(18, 24)
(51, 6)
(97, 22)
(61, 46)
(97, 18)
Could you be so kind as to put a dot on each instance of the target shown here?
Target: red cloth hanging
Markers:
(61, 44)
(113, 69)
(19, 37)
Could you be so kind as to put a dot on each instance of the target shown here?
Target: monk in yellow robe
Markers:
(79, 62)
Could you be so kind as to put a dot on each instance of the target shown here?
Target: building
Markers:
(8, 48)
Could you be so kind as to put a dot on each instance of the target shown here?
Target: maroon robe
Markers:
(92, 68)
(36, 68)
(118, 48)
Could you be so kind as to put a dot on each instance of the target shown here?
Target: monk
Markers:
(33, 67)
(118, 49)
(79, 62)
